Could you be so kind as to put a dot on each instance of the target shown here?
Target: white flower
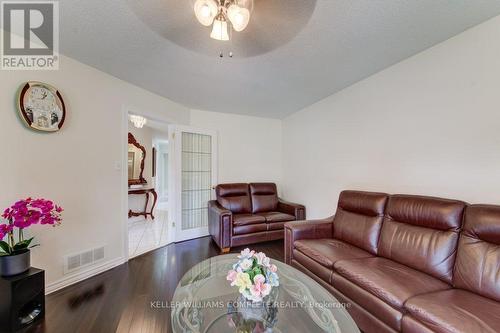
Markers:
(246, 253)
(262, 259)
(246, 264)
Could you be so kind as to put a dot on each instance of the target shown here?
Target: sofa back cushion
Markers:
(422, 232)
(358, 219)
(477, 267)
(235, 197)
(264, 197)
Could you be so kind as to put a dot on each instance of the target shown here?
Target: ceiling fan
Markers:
(223, 15)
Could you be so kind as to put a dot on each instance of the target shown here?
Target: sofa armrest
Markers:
(314, 229)
(299, 211)
(219, 224)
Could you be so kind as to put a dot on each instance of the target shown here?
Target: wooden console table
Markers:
(147, 192)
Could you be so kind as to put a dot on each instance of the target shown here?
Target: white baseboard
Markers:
(83, 275)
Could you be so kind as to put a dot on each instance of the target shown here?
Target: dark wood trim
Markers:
(21, 104)
(141, 180)
(144, 213)
(63, 109)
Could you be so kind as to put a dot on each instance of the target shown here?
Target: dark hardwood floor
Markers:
(119, 300)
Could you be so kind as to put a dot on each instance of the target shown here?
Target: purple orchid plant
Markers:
(21, 215)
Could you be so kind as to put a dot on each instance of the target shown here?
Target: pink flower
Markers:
(273, 268)
(7, 213)
(27, 212)
(230, 321)
(260, 288)
(4, 230)
(47, 220)
(231, 276)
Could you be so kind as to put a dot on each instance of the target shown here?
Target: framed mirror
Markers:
(135, 160)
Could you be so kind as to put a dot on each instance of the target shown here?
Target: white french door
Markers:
(194, 173)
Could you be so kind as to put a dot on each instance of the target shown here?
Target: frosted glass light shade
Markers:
(205, 11)
(219, 30)
(138, 121)
(239, 17)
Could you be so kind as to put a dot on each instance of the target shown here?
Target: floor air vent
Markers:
(83, 259)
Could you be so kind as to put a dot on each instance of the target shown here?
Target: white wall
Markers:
(249, 147)
(76, 166)
(428, 125)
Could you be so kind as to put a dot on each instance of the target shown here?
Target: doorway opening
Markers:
(148, 177)
(170, 172)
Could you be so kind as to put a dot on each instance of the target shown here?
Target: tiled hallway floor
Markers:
(146, 235)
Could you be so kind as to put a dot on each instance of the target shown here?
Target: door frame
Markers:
(175, 182)
(159, 162)
(122, 166)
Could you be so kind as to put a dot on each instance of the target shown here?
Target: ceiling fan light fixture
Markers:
(220, 28)
(223, 16)
(205, 11)
(239, 17)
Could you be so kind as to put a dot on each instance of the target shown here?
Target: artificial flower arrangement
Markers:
(254, 275)
(21, 215)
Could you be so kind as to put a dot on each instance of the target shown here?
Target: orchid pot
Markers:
(15, 264)
(15, 250)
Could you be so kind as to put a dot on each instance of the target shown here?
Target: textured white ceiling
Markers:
(184, 30)
(282, 69)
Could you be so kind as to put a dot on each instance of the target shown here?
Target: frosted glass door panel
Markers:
(196, 187)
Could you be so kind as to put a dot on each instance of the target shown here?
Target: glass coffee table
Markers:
(204, 301)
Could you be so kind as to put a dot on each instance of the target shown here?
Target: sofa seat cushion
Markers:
(276, 225)
(390, 281)
(249, 228)
(277, 217)
(375, 306)
(246, 219)
(301, 260)
(328, 251)
(455, 310)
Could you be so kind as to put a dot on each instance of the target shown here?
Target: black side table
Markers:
(22, 299)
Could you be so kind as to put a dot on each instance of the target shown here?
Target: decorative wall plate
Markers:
(41, 106)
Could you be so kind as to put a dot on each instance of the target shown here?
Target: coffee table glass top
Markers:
(204, 301)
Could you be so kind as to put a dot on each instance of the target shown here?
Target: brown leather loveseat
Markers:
(249, 213)
(406, 263)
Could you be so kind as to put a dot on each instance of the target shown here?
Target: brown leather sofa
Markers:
(406, 263)
(249, 213)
